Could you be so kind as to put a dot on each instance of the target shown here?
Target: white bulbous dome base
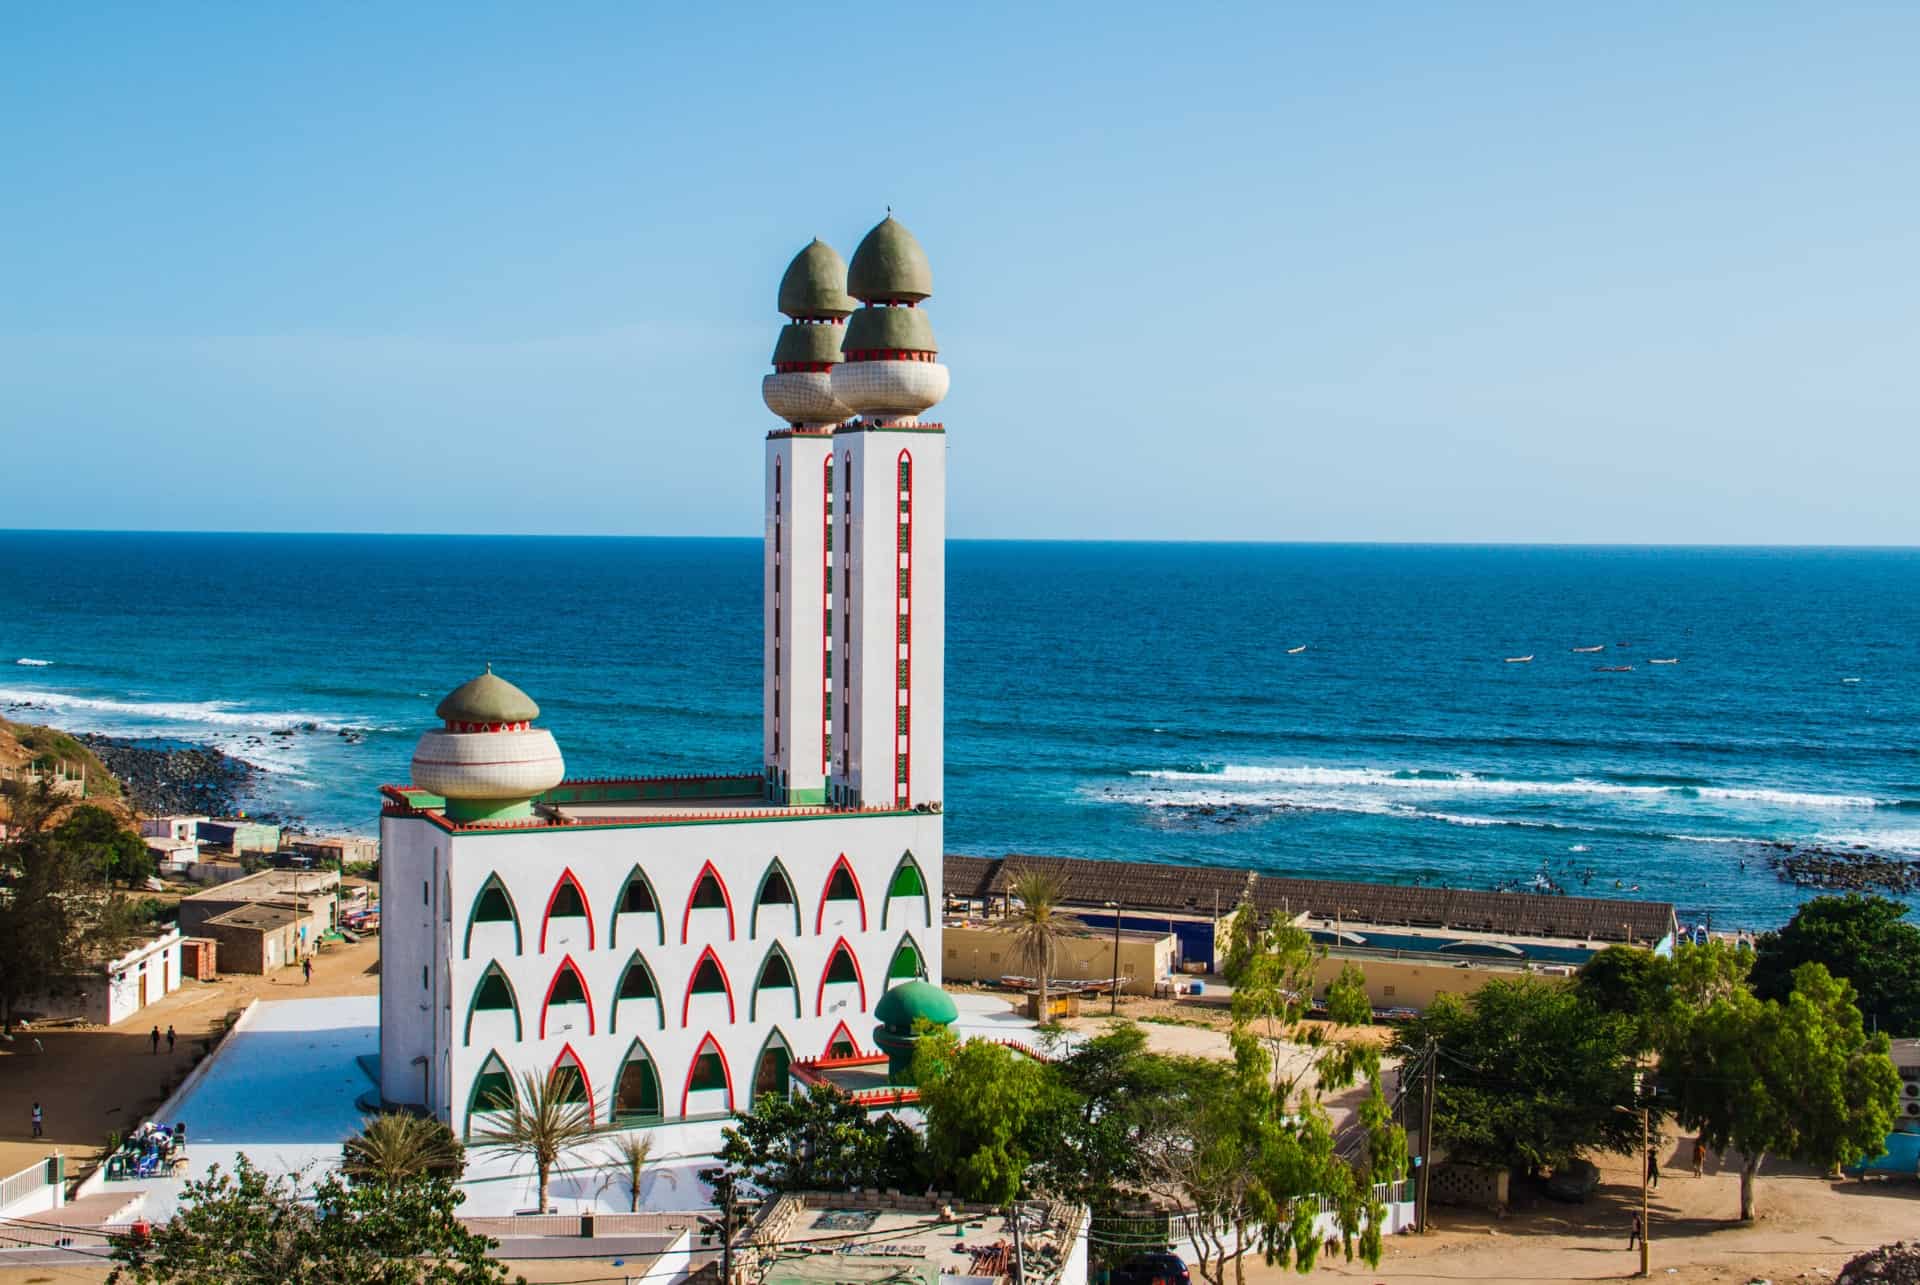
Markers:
(488, 765)
(891, 390)
(803, 397)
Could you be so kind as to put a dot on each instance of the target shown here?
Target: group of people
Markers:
(155, 1037)
(1637, 1231)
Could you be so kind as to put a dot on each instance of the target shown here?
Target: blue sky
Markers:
(1626, 272)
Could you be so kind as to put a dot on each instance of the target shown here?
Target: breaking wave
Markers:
(106, 714)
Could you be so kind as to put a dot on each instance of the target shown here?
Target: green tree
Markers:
(542, 1122)
(396, 1146)
(820, 1141)
(990, 1113)
(1800, 1078)
(95, 836)
(1037, 926)
(1348, 1003)
(247, 1228)
(1113, 1096)
(1530, 1074)
(1865, 939)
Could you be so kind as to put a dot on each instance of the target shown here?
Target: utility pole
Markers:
(1646, 1170)
(1426, 1135)
(1019, 1251)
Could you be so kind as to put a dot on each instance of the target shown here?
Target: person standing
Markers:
(1699, 1156)
(156, 1040)
(37, 1119)
(169, 1037)
(1653, 1168)
(306, 969)
(1635, 1231)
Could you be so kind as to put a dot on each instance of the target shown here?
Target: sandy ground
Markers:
(91, 1081)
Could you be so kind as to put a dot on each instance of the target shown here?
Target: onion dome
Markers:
(815, 284)
(489, 762)
(801, 344)
(889, 266)
(889, 330)
(897, 1012)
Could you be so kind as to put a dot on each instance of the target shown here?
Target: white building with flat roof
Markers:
(668, 945)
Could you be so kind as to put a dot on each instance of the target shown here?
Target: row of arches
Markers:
(776, 904)
(634, 1095)
(638, 1000)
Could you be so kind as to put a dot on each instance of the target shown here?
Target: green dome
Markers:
(900, 1006)
(889, 265)
(904, 329)
(487, 699)
(815, 284)
(808, 343)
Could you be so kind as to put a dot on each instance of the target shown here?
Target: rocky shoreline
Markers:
(1841, 869)
(169, 777)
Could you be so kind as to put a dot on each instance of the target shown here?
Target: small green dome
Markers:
(487, 699)
(900, 1006)
(889, 266)
(902, 329)
(815, 284)
(809, 343)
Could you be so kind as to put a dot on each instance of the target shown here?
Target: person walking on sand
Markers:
(1635, 1232)
(37, 1119)
(1699, 1156)
(155, 1037)
(1653, 1168)
(306, 969)
(169, 1037)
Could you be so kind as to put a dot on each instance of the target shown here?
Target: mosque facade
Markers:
(667, 946)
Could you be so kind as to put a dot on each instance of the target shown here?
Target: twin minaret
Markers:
(856, 519)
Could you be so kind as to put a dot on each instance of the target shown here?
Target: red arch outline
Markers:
(820, 992)
(859, 896)
(726, 1069)
(566, 876)
(586, 1081)
(826, 1051)
(686, 1003)
(566, 962)
(686, 918)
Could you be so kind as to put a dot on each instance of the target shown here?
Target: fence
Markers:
(38, 1187)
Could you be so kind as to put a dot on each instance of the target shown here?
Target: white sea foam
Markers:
(102, 711)
(28, 660)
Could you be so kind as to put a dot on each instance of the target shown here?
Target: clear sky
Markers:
(1635, 272)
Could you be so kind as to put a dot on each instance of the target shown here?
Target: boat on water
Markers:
(1613, 669)
(1520, 660)
(1295, 651)
(1665, 660)
(1584, 650)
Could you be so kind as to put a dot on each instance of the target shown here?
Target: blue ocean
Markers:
(1330, 711)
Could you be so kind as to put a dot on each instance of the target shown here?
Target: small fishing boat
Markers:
(1295, 651)
(1613, 669)
(1585, 650)
(1520, 660)
(1666, 660)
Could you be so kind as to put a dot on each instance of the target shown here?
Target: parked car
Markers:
(1152, 1269)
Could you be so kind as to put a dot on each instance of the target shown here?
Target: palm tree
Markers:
(627, 1158)
(541, 1122)
(395, 1146)
(1037, 925)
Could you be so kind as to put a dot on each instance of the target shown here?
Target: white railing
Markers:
(17, 1188)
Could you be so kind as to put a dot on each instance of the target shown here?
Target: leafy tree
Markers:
(95, 835)
(1661, 994)
(822, 1141)
(1348, 1003)
(1271, 965)
(1801, 1078)
(540, 1122)
(1037, 925)
(1865, 939)
(990, 1114)
(396, 1146)
(248, 1228)
(1530, 1074)
(1114, 1096)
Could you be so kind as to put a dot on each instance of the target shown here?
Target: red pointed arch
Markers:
(586, 908)
(686, 919)
(820, 992)
(839, 1032)
(726, 984)
(567, 966)
(860, 897)
(709, 1044)
(568, 1057)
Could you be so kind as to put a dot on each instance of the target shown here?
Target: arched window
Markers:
(492, 1090)
(492, 997)
(639, 992)
(841, 1043)
(636, 1094)
(637, 898)
(493, 904)
(770, 1069)
(566, 993)
(908, 885)
(776, 891)
(570, 1078)
(841, 975)
(709, 978)
(709, 1087)
(709, 894)
(776, 973)
(566, 913)
(843, 886)
(907, 963)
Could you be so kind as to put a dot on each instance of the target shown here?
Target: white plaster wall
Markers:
(801, 568)
(157, 961)
(407, 941)
(530, 864)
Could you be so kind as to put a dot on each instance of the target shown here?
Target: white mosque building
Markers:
(668, 945)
